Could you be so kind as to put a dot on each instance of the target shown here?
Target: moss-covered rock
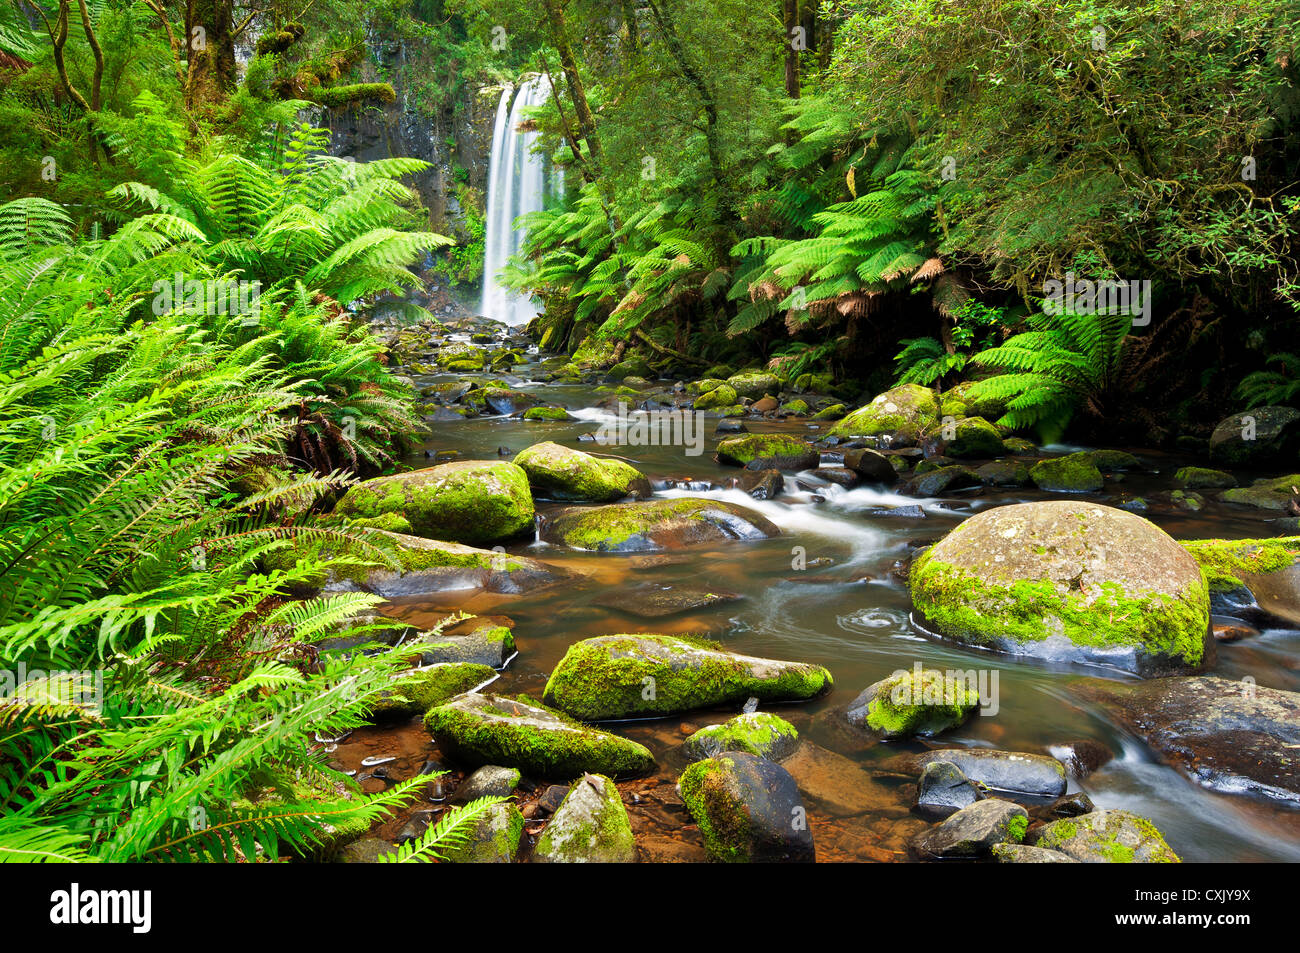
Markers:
(833, 412)
(767, 451)
(1275, 494)
(1068, 580)
(416, 692)
(494, 840)
(1113, 461)
(1256, 437)
(916, 703)
(1075, 473)
(754, 384)
(461, 355)
(1203, 478)
(319, 796)
(719, 398)
(760, 733)
(469, 501)
(1004, 473)
(654, 525)
(794, 408)
(973, 437)
(632, 367)
(1230, 563)
(903, 414)
(704, 385)
(973, 831)
(486, 643)
(1107, 837)
(961, 401)
(942, 480)
(590, 827)
(546, 413)
(561, 473)
(618, 676)
(1024, 854)
(520, 733)
(748, 809)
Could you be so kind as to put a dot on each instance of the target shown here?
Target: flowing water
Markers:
(518, 183)
(847, 609)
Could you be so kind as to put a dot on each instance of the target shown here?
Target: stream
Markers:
(831, 590)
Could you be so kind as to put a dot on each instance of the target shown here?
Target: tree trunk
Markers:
(210, 40)
(790, 17)
(569, 63)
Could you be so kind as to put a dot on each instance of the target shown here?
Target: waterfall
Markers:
(517, 183)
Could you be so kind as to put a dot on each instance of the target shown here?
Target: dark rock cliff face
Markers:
(453, 135)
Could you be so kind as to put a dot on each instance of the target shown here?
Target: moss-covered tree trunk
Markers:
(210, 41)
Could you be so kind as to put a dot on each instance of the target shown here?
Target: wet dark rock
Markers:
(840, 476)
(943, 790)
(1014, 772)
(552, 798)
(491, 780)
(1261, 435)
(973, 831)
(1082, 757)
(748, 809)
(1234, 737)
(895, 512)
(761, 484)
(415, 827)
(654, 600)
(1004, 473)
(1070, 805)
(731, 426)
(943, 480)
(485, 644)
(872, 466)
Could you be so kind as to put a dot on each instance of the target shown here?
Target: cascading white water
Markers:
(517, 183)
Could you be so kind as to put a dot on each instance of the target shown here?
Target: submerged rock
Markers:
(655, 525)
(620, 676)
(748, 809)
(1281, 493)
(767, 451)
(469, 501)
(1261, 576)
(1234, 737)
(1201, 478)
(1107, 837)
(1068, 581)
(915, 703)
(1023, 854)
(759, 733)
(902, 414)
(654, 601)
(974, 830)
(591, 826)
(493, 729)
(1014, 772)
(561, 473)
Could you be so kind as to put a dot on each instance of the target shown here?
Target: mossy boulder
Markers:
(1275, 494)
(719, 398)
(1203, 478)
(754, 384)
(833, 412)
(324, 796)
(704, 385)
(1113, 461)
(973, 831)
(914, 703)
(962, 400)
(902, 414)
(654, 525)
(466, 357)
(469, 501)
(521, 733)
(416, 692)
(1004, 473)
(1075, 473)
(1068, 581)
(486, 643)
(621, 676)
(1259, 436)
(794, 408)
(494, 839)
(759, 733)
(1269, 569)
(748, 809)
(546, 413)
(973, 437)
(590, 827)
(397, 564)
(632, 367)
(561, 473)
(941, 480)
(767, 451)
(1024, 854)
(1107, 837)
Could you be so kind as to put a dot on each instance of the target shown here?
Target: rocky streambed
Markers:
(785, 629)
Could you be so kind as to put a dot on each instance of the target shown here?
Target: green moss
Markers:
(390, 522)
(1266, 494)
(974, 437)
(907, 410)
(606, 528)
(567, 474)
(795, 407)
(745, 448)
(546, 413)
(920, 703)
(336, 96)
(724, 395)
(432, 685)
(759, 733)
(704, 386)
(495, 840)
(1224, 561)
(607, 677)
(1097, 834)
(833, 412)
(606, 837)
(1075, 473)
(973, 611)
(1016, 828)
(724, 821)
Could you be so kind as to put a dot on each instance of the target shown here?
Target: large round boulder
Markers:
(1067, 581)
(562, 473)
(469, 501)
(767, 451)
(755, 384)
(903, 414)
(621, 676)
(654, 525)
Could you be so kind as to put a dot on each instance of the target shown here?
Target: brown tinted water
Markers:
(852, 616)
